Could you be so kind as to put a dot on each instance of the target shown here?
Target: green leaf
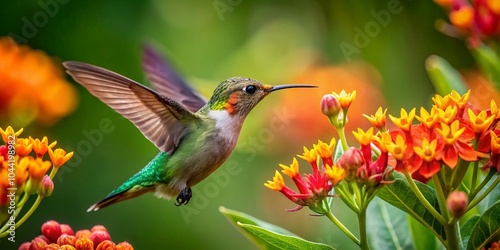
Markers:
(486, 229)
(400, 195)
(387, 227)
(444, 77)
(489, 63)
(467, 227)
(491, 198)
(280, 241)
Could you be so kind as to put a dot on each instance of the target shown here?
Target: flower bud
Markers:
(52, 246)
(66, 229)
(52, 230)
(99, 227)
(46, 187)
(351, 161)
(84, 233)
(99, 236)
(67, 247)
(330, 106)
(24, 246)
(124, 246)
(84, 243)
(65, 239)
(106, 245)
(37, 244)
(457, 203)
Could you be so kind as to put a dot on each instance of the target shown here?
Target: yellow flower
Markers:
(427, 151)
(309, 155)
(398, 148)
(450, 133)
(59, 156)
(378, 120)
(463, 17)
(448, 115)
(335, 174)
(404, 123)
(325, 150)
(345, 99)
(9, 131)
(277, 184)
(480, 122)
(364, 138)
(460, 101)
(291, 170)
(428, 119)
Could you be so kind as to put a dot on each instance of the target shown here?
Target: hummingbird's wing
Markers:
(167, 82)
(161, 119)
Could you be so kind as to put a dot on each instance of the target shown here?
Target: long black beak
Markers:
(288, 86)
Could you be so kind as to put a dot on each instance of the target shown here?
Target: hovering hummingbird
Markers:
(195, 136)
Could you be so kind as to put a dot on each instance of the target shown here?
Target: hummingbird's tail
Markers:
(142, 182)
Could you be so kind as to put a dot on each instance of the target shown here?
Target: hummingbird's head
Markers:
(239, 95)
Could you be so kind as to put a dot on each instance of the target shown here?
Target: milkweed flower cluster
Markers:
(61, 236)
(33, 86)
(440, 144)
(24, 171)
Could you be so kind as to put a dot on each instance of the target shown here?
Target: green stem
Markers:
(26, 216)
(422, 199)
(451, 231)
(342, 227)
(345, 196)
(362, 229)
(18, 210)
(473, 193)
(475, 176)
(440, 197)
(474, 202)
(341, 132)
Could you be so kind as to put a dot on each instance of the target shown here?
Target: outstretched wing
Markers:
(161, 119)
(167, 82)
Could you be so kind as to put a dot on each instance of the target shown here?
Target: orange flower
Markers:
(26, 73)
(38, 168)
(427, 152)
(41, 147)
(59, 156)
(345, 99)
(9, 131)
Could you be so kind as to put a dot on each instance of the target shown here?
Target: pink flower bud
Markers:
(99, 236)
(52, 246)
(106, 245)
(330, 105)
(47, 186)
(52, 230)
(99, 227)
(351, 161)
(37, 244)
(66, 229)
(24, 246)
(457, 203)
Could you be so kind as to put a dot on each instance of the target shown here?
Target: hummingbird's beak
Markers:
(288, 86)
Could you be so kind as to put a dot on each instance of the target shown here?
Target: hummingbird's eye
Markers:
(250, 89)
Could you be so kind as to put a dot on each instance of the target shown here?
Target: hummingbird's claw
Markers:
(184, 197)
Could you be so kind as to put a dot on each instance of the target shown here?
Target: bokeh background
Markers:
(316, 42)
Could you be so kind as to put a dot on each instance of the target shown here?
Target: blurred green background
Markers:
(209, 41)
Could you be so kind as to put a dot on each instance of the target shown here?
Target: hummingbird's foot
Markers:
(184, 197)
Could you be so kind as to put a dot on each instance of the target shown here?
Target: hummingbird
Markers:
(194, 135)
